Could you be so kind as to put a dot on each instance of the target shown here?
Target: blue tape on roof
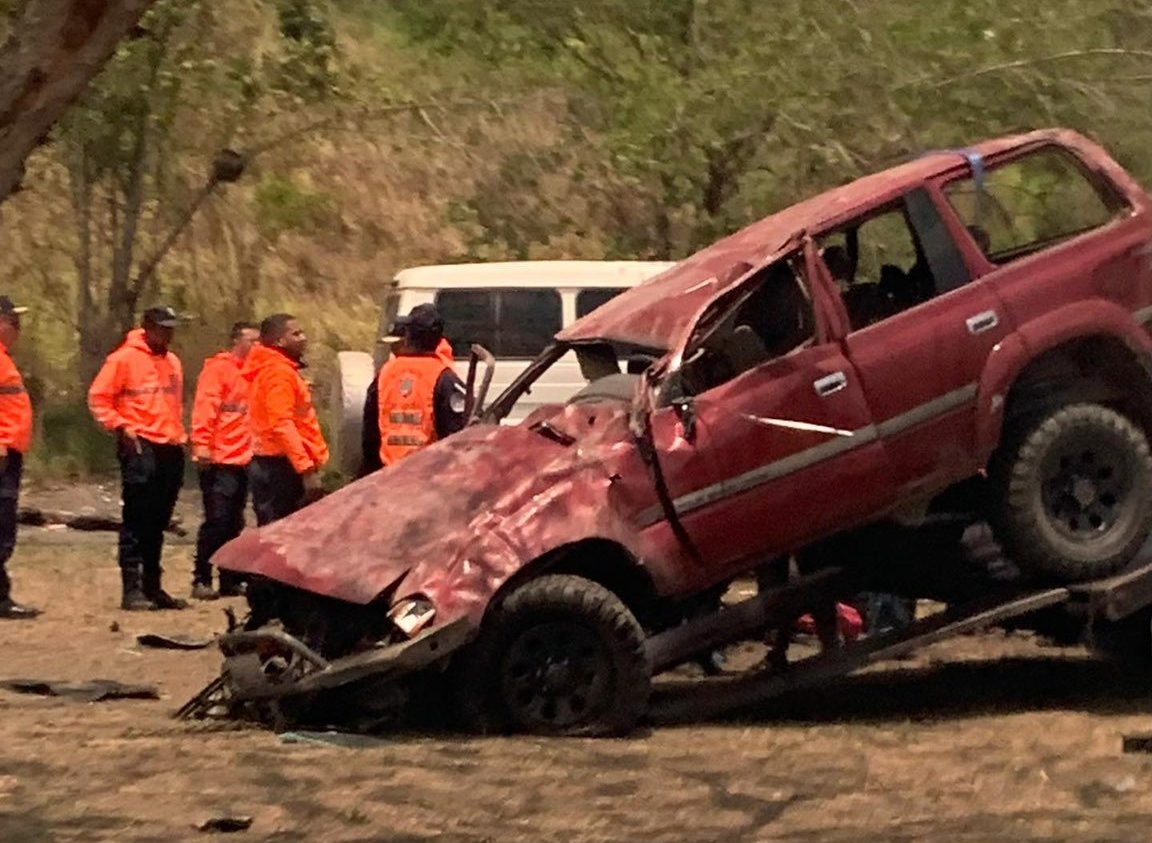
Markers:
(975, 162)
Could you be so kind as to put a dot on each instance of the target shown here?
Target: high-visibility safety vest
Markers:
(407, 388)
(15, 408)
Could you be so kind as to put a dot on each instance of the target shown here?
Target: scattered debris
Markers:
(61, 519)
(346, 740)
(95, 690)
(172, 642)
(226, 824)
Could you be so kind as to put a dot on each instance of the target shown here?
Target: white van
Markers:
(513, 309)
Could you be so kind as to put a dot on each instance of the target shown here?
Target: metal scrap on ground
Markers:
(95, 690)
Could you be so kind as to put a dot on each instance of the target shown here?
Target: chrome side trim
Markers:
(803, 459)
(929, 410)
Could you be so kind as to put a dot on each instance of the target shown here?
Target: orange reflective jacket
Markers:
(220, 412)
(407, 386)
(280, 408)
(15, 407)
(141, 392)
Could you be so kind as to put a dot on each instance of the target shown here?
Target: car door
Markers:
(920, 358)
(777, 449)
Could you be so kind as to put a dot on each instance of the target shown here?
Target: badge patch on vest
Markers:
(406, 387)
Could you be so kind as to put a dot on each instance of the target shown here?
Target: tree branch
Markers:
(53, 50)
(1100, 52)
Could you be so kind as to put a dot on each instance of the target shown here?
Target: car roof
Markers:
(659, 312)
(530, 274)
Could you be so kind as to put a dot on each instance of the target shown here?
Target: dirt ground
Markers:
(985, 738)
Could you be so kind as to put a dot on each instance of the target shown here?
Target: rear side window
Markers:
(508, 322)
(1033, 202)
(589, 300)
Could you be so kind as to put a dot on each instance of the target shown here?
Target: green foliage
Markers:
(308, 57)
(69, 444)
(282, 205)
(719, 112)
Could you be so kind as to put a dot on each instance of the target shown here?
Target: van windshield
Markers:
(510, 322)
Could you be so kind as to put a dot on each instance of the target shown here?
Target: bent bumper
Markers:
(247, 673)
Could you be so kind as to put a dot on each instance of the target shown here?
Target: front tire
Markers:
(1073, 493)
(562, 655)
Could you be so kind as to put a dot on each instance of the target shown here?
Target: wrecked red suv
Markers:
(971, 319)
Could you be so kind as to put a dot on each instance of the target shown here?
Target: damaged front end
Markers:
(273, 677)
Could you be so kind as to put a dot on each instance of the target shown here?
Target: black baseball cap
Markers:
(10, 308)
(424, 319)
(162, 315)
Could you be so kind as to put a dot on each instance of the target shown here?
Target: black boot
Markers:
(13, 611)
(231, 585)
(160, 598)
(134, 599)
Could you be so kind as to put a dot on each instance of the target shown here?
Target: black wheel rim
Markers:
(555, 675)
(1086, 488)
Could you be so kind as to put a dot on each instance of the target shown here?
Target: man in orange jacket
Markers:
(15, 440)
(139, 396)
(421, 399)
(222, 450)
(288, 446)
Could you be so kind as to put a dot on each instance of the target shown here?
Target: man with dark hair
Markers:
(421, 399)
(288, 446)
(15, 440)
(222, 450)
(139, 396)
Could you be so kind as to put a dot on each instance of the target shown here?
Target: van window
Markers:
(508, 322)
(1032, 202)
(590, 299)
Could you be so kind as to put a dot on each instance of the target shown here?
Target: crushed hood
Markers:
(442, 506)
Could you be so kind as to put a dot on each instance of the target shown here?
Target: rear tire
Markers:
(1072, 493)
(561, 655)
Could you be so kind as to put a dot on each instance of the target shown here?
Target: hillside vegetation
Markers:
(379, 135)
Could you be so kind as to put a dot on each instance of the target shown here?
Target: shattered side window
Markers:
(775, 318)
(1032, 202)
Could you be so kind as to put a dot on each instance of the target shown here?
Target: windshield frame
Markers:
(502, 405)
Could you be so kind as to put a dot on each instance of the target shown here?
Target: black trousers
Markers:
(277, 490)
(151, 477)
(224, 489)
(9, 498)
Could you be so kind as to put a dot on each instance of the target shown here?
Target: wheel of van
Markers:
(561, 655)
(1072, 492)
(355, 371)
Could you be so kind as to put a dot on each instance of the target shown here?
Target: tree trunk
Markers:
(54, 49)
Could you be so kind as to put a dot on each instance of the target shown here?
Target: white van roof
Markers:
(530, 274)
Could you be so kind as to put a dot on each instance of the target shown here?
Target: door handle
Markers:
(982, 322)
(830, 384)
